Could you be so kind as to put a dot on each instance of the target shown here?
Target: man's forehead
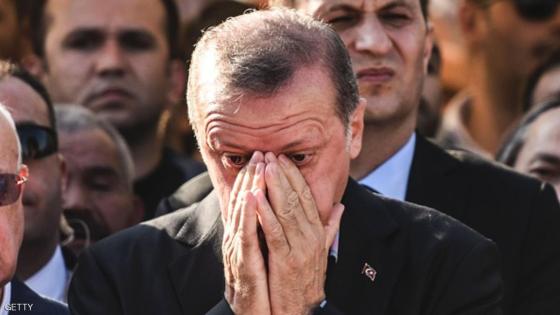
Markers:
(322, 6)
(90, 148)
(107, 14)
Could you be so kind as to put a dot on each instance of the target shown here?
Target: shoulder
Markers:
(39, 305)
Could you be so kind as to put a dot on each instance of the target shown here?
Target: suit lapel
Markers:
(367, 236)
(197, 275)
(431, 182)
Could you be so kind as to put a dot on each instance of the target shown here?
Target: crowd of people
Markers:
(279, 157)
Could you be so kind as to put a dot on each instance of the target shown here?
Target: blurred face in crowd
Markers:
(9, 30)
(512, 45)
(113, 57)
(298, 121)
(97, 190)
(11, 215)
(540, 155)
(548, 86)
(42, 196)
(389, 45)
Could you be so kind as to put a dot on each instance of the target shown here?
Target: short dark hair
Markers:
(39, 26)
(509, 152)
(8, 69)
(253, 63)
(535, 77)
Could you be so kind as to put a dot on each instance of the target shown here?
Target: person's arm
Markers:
(90, 290)
(538, 289)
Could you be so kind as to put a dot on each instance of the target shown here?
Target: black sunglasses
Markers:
(36, 141)
(533, 10)
(10, 188)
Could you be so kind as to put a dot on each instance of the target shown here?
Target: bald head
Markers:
(11, 145)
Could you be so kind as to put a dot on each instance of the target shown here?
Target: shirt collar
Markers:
(51, 280)
(391, 178)
(6, 298)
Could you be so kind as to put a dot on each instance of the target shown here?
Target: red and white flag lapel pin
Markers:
(369, 272)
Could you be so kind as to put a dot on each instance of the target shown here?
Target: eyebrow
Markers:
(99, 32)
(387, 6)
(546, 157)
(287, 147)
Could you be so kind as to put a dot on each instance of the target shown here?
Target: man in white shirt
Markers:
(40, 263)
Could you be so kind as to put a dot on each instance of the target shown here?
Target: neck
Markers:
(379, 144)
(496, 105)
(33, 256)
(146, 150)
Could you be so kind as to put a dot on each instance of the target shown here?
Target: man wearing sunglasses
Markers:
(41, 261)
(14, 295)
(506, 40)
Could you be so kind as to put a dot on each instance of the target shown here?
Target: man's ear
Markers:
(428, 45)
(23, 171)
(357, 128)
(35, 65)
(177, 79)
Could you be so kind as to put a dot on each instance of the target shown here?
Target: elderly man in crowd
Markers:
(389, 44)
(97, 197)
(120, 59)
(41, 264)
(14, 295)
(278, 122)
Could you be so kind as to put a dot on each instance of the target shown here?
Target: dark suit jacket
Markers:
(41, 306)
(426, 263)
(518, 213)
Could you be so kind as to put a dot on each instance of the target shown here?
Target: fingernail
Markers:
(253, 158)
(259, 168)
(269, 157)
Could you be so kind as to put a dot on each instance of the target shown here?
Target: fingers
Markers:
(285, 202)
(333, 224)
(296, 180)
(248, 220)
(273, 231)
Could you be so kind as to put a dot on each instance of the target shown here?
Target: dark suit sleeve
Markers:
(221, 308)
(538, 290)
(90, 290)
(475, 284)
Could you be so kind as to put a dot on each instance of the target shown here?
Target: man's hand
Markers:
(244, 265)
(297, 241)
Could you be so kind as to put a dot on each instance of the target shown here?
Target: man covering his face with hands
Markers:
(285, 230)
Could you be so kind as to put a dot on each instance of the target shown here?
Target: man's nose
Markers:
(112, 59)
(76, 198)
(371, 37)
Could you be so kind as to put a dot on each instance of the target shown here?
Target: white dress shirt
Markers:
(51, 280)
(6, 298)
(391, 178)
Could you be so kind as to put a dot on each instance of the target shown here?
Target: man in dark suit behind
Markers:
(15, 296)
(278, 122)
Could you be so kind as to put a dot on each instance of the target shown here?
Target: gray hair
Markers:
(260, 51)
(8, 116)
(74, 118)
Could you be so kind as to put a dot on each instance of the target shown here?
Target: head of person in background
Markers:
(98, 197)
(13, 174)
(506, 41)
(33, 112)
(544, 83)
(119, 59)
(533, 147)
(390, 44)
(15, 42)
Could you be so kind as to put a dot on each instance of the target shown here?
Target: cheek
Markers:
(11, 233)
(222, 178)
